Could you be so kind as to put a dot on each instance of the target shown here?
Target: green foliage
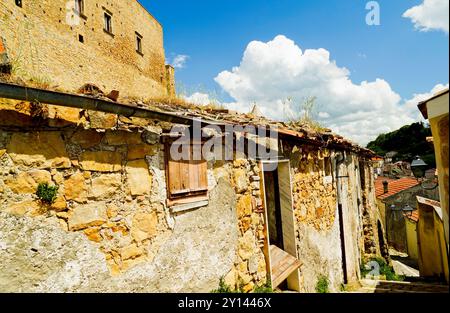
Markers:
(224, 288)
(322, 285)
(47, 193)
(266, 288)
(408, 141)
(385, 270)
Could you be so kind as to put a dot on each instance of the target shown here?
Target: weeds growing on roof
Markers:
(302, 115)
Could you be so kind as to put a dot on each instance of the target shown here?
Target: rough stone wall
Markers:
(351, 194)
(106, 187)
(110, 207)
(112, 194)
(317, 223)
(191, 259)
(317, 215)
(170, 78)
(250, 265)
(44, 48)
(316, 209)
(372, 216)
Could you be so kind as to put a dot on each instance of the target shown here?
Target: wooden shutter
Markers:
(198, 170)
(187, 177)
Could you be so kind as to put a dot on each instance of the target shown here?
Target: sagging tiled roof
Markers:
(183, 114)
(395, 186)
(324, 137)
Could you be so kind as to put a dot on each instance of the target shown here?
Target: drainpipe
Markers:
(340, 160)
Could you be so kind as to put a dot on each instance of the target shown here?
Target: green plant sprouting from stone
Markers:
(46, 193)
(266, 288)
(224, 288)
(322, 285)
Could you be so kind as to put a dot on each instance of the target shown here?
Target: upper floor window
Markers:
(108, 22)
(79, 7)
(138, 43)
(19, 3)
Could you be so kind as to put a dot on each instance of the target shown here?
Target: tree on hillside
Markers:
(408, 141)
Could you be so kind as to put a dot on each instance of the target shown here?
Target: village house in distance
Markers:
(91, 199)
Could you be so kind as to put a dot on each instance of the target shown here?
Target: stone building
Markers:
(92, 198)
(64, 44)
(127, 217)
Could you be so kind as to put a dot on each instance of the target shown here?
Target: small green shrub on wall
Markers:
(322, 284)
(224, 288)
(46, 193)
(266, 288)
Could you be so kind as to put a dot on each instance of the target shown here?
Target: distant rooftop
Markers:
(414, 217)
(395, 186)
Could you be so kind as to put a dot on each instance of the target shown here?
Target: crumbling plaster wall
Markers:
(111, 209)
(39, 256)
(371, 217)
(317, 215)
(250, 264)
(100, 161)
(42, 41)
(352, 215)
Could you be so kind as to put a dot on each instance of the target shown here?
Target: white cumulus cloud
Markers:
(411, 104)
(430, 15)
(279, 72)
(180, 60)
(199, 98)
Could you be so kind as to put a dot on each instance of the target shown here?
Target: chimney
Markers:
(386, 186)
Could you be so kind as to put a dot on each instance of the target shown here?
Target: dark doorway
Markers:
(280, 247)
(274, 208)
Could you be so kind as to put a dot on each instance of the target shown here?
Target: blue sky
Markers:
(215, 34)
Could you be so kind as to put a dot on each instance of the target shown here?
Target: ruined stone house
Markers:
(125, 219)
(128, 217)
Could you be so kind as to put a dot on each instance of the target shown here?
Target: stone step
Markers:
(379, 286)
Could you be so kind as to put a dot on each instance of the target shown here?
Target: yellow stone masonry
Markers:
(50, 44)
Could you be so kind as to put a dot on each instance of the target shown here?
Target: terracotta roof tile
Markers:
(395, 186)
(414, 217)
